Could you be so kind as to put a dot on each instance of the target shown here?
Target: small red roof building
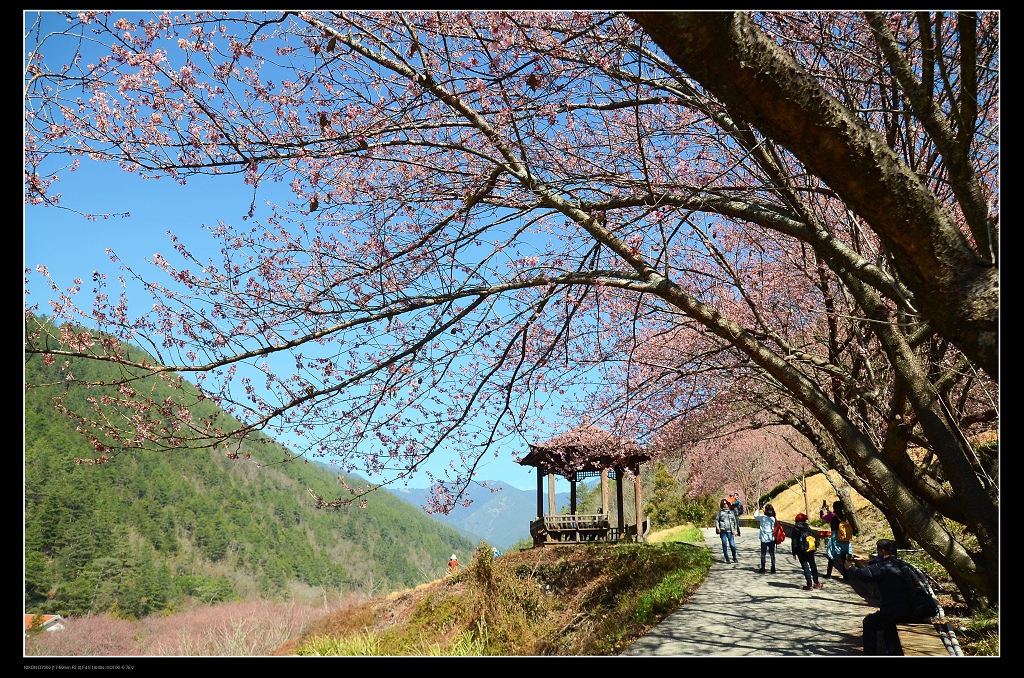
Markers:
(48, 622)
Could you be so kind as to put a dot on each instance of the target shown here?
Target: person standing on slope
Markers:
(766, 533)
(726, 526)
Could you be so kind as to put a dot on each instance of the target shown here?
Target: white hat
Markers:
(453, 557)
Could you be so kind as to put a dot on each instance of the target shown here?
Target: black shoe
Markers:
(773, 570)
(761, 571)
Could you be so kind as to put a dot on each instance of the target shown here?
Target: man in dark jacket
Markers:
(737, 508)
(887, 574)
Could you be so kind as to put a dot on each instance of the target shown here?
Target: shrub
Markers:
(699, 510)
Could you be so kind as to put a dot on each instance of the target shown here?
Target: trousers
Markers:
(886, 623)
(809, 566)
(728, 542)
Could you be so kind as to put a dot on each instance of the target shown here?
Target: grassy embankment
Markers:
(579, 600)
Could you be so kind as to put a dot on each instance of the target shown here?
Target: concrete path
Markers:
(739, 612)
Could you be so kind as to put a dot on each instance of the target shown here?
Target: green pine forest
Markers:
(155, 531)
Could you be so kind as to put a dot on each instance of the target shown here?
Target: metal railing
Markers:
(943, 625)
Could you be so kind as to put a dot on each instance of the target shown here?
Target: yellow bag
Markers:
(844, 532)
(807, 543)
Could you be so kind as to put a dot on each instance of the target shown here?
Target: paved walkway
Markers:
(739, 612)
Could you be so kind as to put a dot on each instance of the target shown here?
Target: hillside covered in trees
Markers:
(150, 531)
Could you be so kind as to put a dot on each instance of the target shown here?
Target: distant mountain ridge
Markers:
(499, 514)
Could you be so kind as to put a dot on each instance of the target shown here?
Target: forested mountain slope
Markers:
(149, 531)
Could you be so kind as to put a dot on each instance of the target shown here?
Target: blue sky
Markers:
(71, 246)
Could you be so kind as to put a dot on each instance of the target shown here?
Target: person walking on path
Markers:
(837, 550)
(766, 533)
(735, 615)
(453, 564)
(726, 526)
(804, 547)
(737, 507)
(887, 573)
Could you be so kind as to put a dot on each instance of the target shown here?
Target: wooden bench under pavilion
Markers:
(586, 452)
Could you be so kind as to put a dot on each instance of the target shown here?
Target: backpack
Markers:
(808, 542)
(844, 532)
(779, 533)
(920, 603)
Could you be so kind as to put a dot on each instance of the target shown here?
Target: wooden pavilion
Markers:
(585, 452)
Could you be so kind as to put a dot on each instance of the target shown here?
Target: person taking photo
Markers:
(886, 572)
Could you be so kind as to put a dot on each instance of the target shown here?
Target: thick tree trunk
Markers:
(756, 79)
(761, 83)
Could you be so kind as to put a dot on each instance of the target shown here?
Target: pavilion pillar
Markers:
(540, 493)
(572, 496)
(618, 495)
(604, 491)
(637, 492)
(551, 494)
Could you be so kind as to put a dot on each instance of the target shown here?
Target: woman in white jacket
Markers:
(766, 521)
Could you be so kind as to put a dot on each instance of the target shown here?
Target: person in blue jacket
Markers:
(835, 551)
(737, 508)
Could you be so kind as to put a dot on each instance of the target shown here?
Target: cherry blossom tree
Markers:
(663, 215)
(762, 85)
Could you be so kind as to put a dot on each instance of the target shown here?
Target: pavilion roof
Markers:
(585, 448)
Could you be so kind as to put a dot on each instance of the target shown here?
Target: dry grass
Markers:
(790, 501)
(579, 600)
(241, 629)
